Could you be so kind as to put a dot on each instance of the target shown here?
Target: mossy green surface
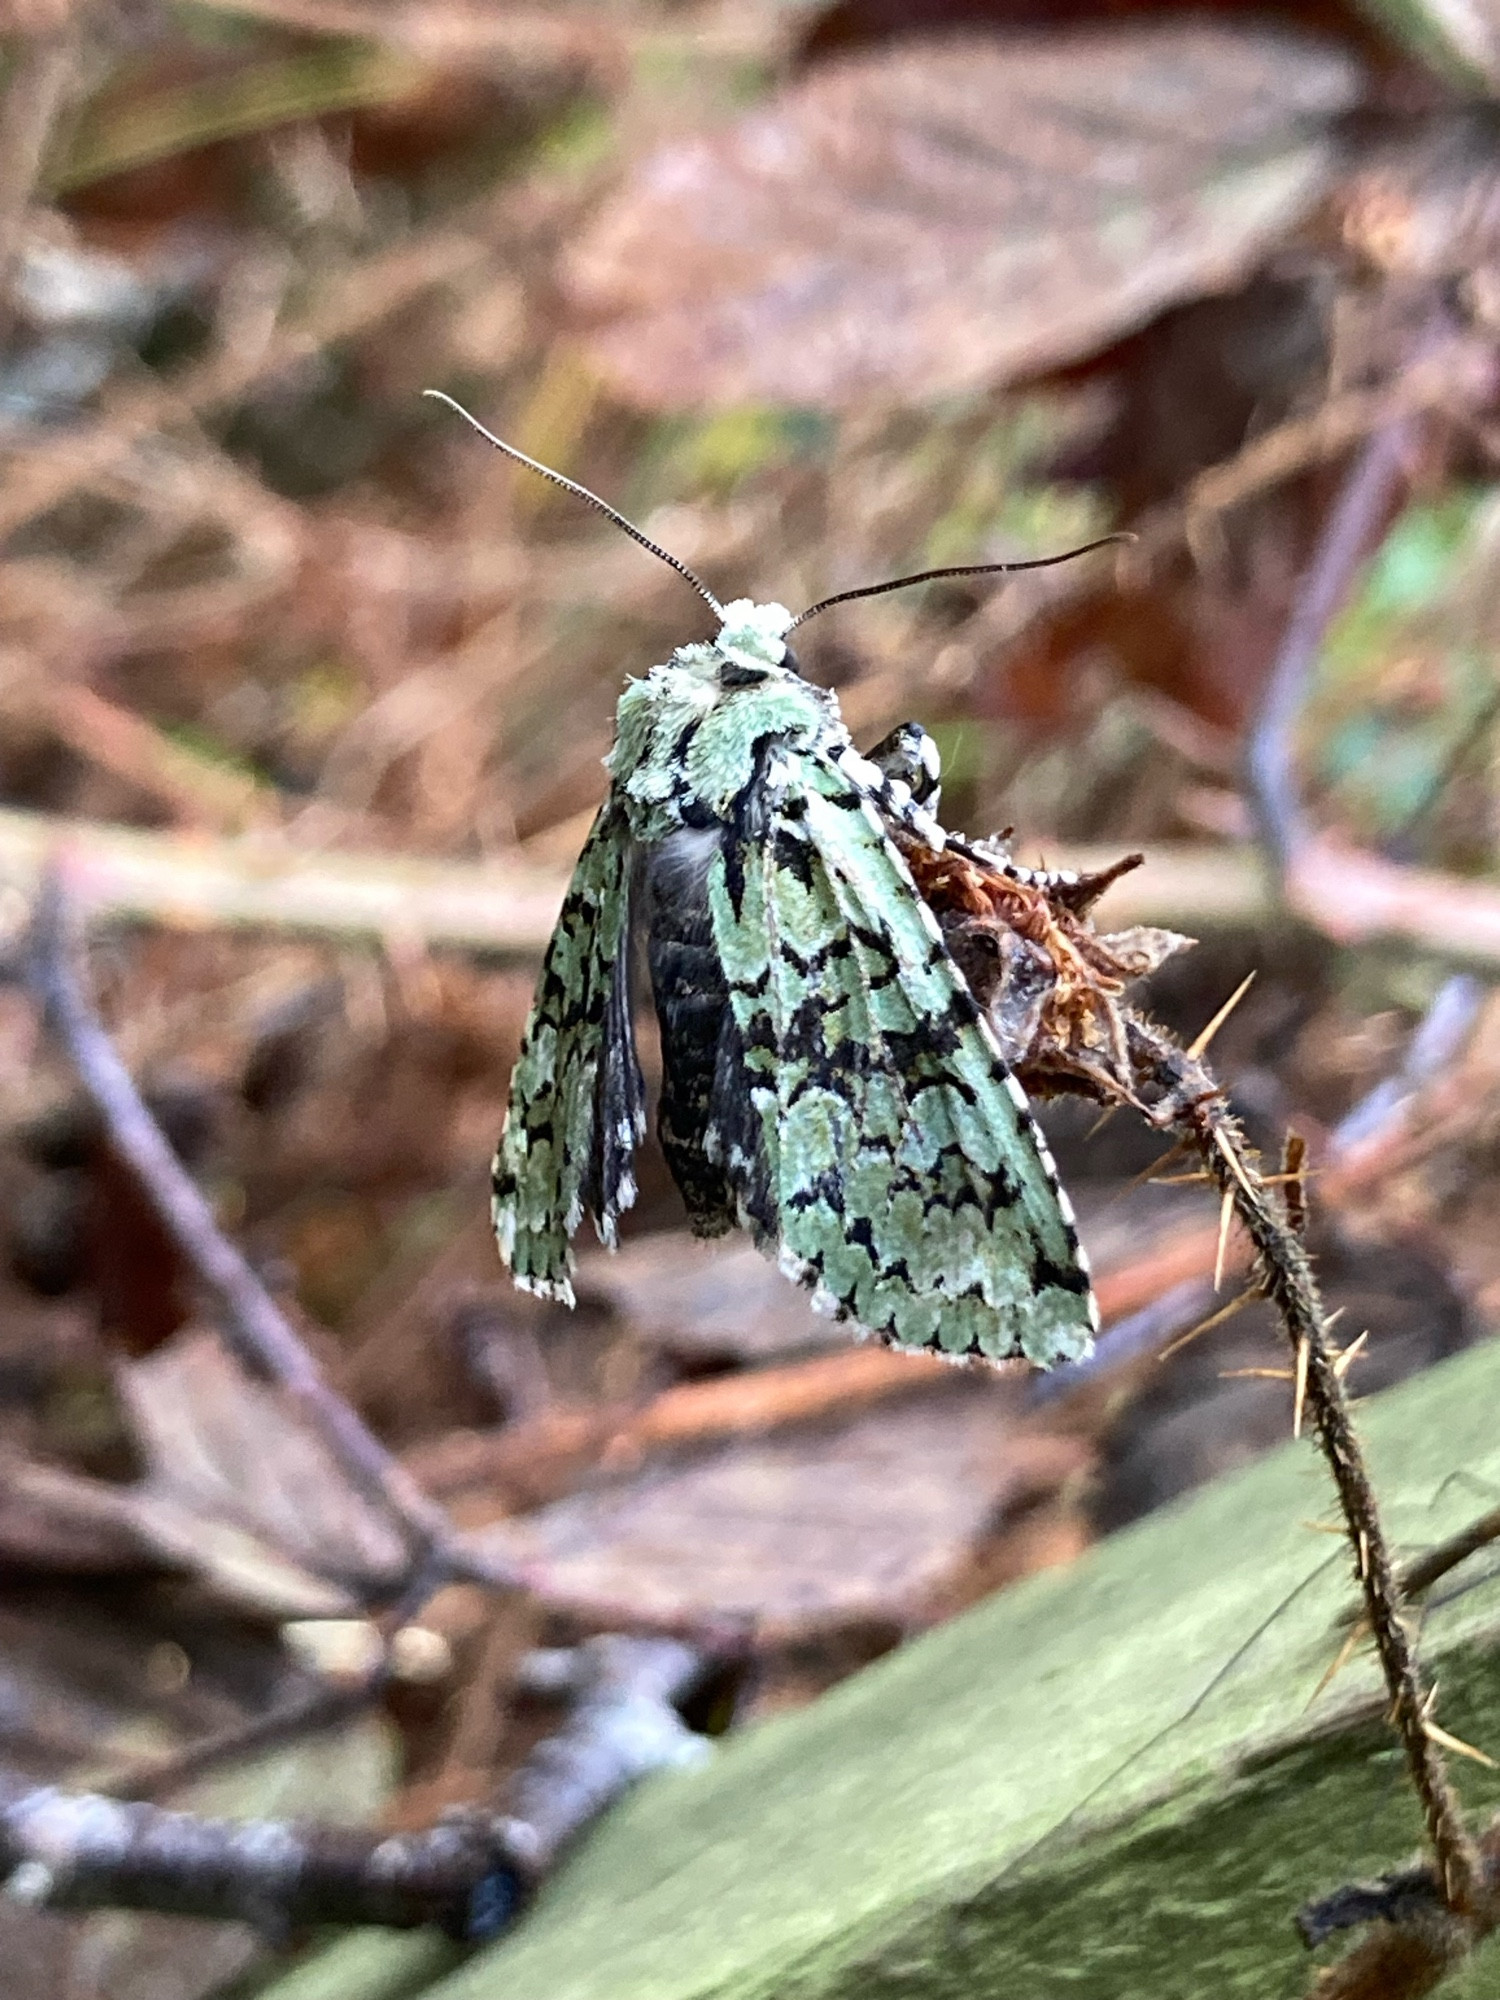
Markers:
(1111, 1782)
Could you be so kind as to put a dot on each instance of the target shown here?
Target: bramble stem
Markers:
(1197, 1108)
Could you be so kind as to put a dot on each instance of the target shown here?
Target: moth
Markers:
(828, 1081)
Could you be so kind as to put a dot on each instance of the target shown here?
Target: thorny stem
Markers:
(1197, 1109)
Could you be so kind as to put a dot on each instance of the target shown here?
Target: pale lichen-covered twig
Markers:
(469, 1873)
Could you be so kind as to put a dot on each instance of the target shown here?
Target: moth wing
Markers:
(879, 1139)
(577, 1101)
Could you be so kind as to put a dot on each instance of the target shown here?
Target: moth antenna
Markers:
(583, 493)
(964, 569)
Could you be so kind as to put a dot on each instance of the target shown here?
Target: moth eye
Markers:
(737, 674)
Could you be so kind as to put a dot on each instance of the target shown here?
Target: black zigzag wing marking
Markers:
(575, 1056)
(908, 1182)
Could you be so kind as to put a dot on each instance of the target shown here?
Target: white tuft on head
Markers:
(755, 632)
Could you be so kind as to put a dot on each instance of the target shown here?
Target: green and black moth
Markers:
(828, 1081)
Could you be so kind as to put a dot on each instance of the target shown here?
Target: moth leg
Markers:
(909, 756)
(1075, 892)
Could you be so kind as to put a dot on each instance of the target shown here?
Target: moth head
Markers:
(752, 640)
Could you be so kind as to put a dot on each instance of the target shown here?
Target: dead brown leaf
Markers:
(936, 217)
(238, 1493)
(796, 1534)
(703, 1300)
(250, 1495)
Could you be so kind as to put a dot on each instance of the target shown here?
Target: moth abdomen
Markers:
(691, 997)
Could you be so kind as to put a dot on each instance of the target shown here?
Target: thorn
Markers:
(1153, 1172)
(1226, 1216)
(1174, 1180)
(1344, 1361)
(1245, 1298)
(1100, 1122)
(1255, 1374)
(1457, 1744)
(1196, 1048)
(1324, 1528)
(1236, 1165)
(1299, 1396)
(1364, 1555)
(1342, 1658)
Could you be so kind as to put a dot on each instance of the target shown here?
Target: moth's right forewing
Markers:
(887, 1159)
(575, 1107)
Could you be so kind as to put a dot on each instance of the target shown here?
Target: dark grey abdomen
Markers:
(692, 1012)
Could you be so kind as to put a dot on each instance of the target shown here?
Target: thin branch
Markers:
(1371, 485)
(266, 883)
(35, 92)
(1423, 1571)
(470, 1873)
(1127, 1339)
(252, 1322)
(508, 905)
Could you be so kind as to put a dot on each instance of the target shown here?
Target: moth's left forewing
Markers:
(576, 1097)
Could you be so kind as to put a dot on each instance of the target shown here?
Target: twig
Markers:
(266, 883)
(53, 466)
(1423, 1571)
(1435, 1045)
(1193, 1103)
(529, 1461)
(508, 906)
(469, 1873)
(1138, 1333)
(255, 1326)
(34, 94)
(1368, 490)
(1447, 375)
(311, 1708)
